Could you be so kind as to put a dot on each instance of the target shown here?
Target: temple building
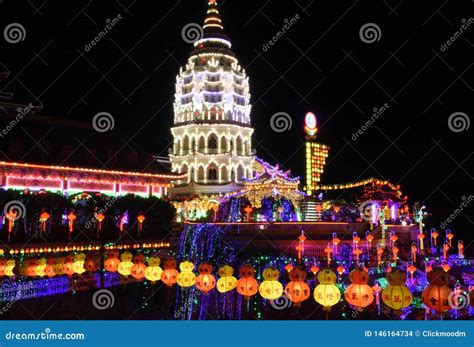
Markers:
(212, 131)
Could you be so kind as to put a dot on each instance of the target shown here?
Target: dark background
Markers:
(319, 65)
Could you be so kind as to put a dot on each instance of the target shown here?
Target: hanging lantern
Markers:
(379, 255)
(395, 251)
(41, 267)
(44, 216)
(125, 266)
(226, 281)
(414, 249)
(12, 216)
(186, 278)
(357, 253)
(411, 269)
(335, 242)
(138, 271)
(314, 269)
(205, 281)
(445, 250)
(359, 294)
(153, 271)
(68, 266)
(247, 285)
(396, 295)
(328, 251)
(270, 288)
(71, 218)
(140, 219)
(449, 236)
(460, 249)
(139, 258)
(9, 268)
(289, 267)
(49, 269)
(111, 264)
(340, 270)
(248, 210)
(280, 213)
(100, 218)
(436, 295)
(434, 236)
(369, 237)
(297, 290)
(170, 274)
(326, 293)
(78, 265)
(59, 266)
(446, 267)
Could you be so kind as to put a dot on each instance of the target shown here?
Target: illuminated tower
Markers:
(316, 154)
(212, 130)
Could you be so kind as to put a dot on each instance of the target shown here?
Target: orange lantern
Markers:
(138, 271)
(379, 255)
(12, 216)
(112, 264)
(359, 293)
(140, 219)
(297, 290)
(328, 251)
(205, 281)
(446, 267)
(436, 295)
(340, 270)
(49, 269)
(449, 236)
(411, 269)
(170, 274)
(31, 268)
(289, 267)
(71, 218)
(100, 218)
(90, 265)
(314, 269)
(247, 285)
(434, 236)
(68, 267)
(248, 210)
(43, 219)
(369, 239)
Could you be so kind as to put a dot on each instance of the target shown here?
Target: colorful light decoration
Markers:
(169, 276)
(71, 218)
(12, 216)
(396, 295)
(395, 251)
(297, 290)
(335, 242)
(100, 217)
(226, 281)
(186, 277)
(44, 216)
(248, 210)
(328, 251)
(369, 237)
(270, 288)
(436, 295)
(125, 266)
(449, 236)
(326, 292)
(247, 285)
(78, 265)
(140, 220)
(359, 294)
(460, 249)
(310, 124)
(434, 236)
(205, 281)
(153, 271)
(411, 269)
(138, 270)
(445, 250)
(414, 250)
(379, 255)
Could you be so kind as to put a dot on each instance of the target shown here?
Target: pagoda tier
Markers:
(212, 132)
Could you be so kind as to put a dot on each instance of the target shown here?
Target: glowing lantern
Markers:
(396, 295)
(138, 271)
(31, 267)
(68, 266)
(247, 285)
(359, 294)
(411, 269)
(90, 265)
(289, 267)
(226, 281)
(205, 281)
(270, 288)
(12, 216)
(428, 268)
(9, 267)
(335, 242)
(369, 237)
(340, 270)
(43, 219)
(112, 264)
(169, 274)
(41, 267)
(314, 269)
(357, 253)
(297, 290)
(49, 269)
(71, 217)
(445, 250)
(379, 255)
(139, 258)
(395, 251)
(280, 212)
(78, 265)
(59, 266)
(125, 266)
(434, 236)
(460, 248)
(186, 277)
(140, 219)
(326, 293)
(446, 267)
(100, 218)
(248, 210)
(393, 239)
(449, 236)
(153, 272)
(328, 251)
(3, 264)
(436, 295)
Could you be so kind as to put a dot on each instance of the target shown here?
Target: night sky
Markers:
(320, 64)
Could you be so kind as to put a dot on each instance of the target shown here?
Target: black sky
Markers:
(319, 65)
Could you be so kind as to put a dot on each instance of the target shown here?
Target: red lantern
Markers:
(205, 281)
(138, 271)
(43, 219)
(112, 264)
(247, 285)
(359, 293)
(71, 218)
(297, 290)
(436, 295)
(140, 219)
(169, 276)
(100, 217)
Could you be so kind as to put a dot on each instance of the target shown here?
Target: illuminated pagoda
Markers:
(212, 130)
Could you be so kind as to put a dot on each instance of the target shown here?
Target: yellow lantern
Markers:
(59, 266)
(41, 267)
(153, 271)
(9, 267)
(326, 293)
(125, 266)
(396, 295)
(78, 265)
(270, 288)
(186, 277)
(226, 282)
